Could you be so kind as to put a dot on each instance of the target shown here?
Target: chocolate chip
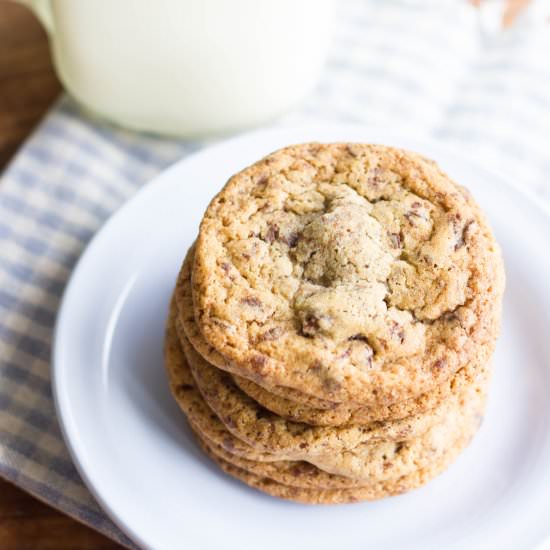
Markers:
(439, 364)
(304, 445)
(271, 334)
(359, 337)
(228, 421)
(395, 239)
(291, 239)
(185, 387)
(221, 323)
(227, 443)
(345, 354)
(310, 324)
(367, 358)
(410, 215)
(262, 180)
(251, 301)
(449, 316)
(416, 204)
(226, 267)
(316, 367)
(258, 361)
(331, 385)
(440, 197)
(463, 234)
(374, 179)
(303, 468)
(272, 234)
(398, 330)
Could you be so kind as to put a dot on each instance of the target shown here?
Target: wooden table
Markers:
(28, 86)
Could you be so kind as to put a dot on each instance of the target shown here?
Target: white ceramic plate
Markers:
(131, 444)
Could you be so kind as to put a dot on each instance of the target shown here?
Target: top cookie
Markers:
(350, 272)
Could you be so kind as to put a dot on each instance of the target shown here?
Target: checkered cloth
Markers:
(436, 68)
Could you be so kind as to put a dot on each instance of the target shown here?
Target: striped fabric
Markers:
(438, 68)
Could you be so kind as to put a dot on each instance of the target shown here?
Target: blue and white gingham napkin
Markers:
(430, 67)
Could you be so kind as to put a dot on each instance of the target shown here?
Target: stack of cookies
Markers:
(330, 333)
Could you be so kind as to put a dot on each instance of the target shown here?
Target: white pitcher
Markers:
(187, 67)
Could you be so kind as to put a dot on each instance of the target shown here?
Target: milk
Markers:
(188, 67)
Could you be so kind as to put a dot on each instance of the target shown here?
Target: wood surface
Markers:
(27, 82)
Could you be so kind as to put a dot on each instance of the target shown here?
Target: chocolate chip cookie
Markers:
(353, 273)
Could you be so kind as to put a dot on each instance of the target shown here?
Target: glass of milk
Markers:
(187, 67)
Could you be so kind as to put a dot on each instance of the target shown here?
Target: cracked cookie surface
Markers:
(284, 403)
(349, 272)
